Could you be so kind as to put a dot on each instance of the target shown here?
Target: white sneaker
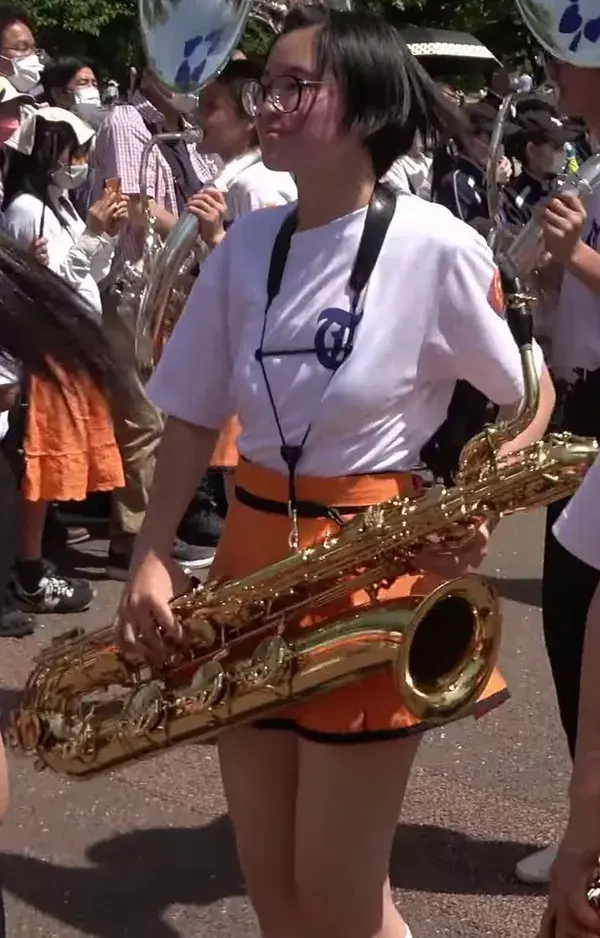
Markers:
(535, 869)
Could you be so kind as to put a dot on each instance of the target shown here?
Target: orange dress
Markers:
(69, 442)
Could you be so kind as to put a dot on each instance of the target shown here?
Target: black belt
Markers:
(304, 509)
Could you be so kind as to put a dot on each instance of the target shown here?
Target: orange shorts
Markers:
(372, 707)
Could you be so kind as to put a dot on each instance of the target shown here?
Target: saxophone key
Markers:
(205, 690)
(144, 708)
(268, 666)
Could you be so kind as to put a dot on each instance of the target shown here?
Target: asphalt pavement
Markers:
(148, 852)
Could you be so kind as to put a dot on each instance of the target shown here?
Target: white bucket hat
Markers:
(8, 93)
(568, 29)
(23, 138)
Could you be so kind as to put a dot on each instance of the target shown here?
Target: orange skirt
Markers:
(371, 707)
(70, 447)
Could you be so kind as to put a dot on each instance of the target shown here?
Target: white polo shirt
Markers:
(578, 527)
(574, 326)
(426, 322)
(257, 187)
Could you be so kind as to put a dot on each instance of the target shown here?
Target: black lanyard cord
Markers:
(379, 215)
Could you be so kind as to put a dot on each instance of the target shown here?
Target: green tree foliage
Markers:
(107, 30)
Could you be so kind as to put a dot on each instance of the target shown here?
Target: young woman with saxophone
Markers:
(337, 388)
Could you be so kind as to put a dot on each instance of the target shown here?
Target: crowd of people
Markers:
(251, 384)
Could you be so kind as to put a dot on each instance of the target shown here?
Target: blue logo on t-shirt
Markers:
(331, 337)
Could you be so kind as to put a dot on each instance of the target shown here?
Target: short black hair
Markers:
(10, 14)
(389, 96)
(233, 76)
(59, 73)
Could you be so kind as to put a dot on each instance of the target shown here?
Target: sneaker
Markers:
(14, 623)
(191, 557)
(535, 869)
(55, 593)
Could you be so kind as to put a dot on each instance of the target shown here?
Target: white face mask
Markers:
(87, 95)
(186, 103)
(26, 72)
(70, 177)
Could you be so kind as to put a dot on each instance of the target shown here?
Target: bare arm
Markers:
(585, 266)
(183, 457)
(539, 424)
(165, 220)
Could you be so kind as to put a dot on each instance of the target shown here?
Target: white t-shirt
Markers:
(426, 322)
(258, 187)
(9, 375)
(80, 258)
(574, 326)
(578, 527)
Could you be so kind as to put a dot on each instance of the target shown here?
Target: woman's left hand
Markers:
(454, 563)
(562, 224)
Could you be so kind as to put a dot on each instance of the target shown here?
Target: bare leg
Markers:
(32, 519)
(348, 804)
(260, 771)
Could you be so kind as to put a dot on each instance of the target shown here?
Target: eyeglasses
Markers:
(284, 92)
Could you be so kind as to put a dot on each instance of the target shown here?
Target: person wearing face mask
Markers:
(68, 440)
(176, 171)
(20, 59)
(68, 81)
(71, 83)
(539, 145)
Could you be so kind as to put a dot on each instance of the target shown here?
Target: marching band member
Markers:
(337, 389)
(230, 133)
(573, 328)
(569, 33)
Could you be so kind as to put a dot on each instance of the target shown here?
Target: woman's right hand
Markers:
(145, 625)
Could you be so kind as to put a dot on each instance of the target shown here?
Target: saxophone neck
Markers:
(483, 448)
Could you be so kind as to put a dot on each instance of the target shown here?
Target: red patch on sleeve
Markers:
(496, 295)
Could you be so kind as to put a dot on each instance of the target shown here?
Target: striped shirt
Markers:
(118, 154)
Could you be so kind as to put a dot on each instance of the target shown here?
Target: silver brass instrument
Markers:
(87, 709)
(187, 45)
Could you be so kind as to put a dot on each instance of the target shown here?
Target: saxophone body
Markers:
(87, 709)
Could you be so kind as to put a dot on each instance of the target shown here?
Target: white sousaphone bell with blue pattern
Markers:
(187, 44)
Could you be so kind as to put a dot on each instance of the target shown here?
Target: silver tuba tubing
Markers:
(180, 241)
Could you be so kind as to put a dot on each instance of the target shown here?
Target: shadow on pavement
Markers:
(527, 592)
(136, 877)
(438, 859)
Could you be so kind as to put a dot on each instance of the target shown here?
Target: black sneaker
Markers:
(191, 557)
(54, 593)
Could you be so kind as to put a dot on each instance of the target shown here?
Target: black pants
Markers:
(8, 527)
(568, 583)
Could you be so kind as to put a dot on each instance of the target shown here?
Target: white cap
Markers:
(568, 29)
(24, 136)
(8, 93)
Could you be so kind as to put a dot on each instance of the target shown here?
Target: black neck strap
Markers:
(379, 215)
